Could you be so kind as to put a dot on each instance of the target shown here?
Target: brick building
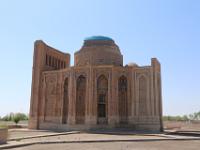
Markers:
(97, 92)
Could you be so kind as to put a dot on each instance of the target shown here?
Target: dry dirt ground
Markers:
(99, 141)
(104, 141)
(182, 125)
(160, 145)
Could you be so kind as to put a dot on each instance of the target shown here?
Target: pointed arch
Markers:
(142, 95)
(122, 100)
(65, 102)
(102, 100)
(80, 99)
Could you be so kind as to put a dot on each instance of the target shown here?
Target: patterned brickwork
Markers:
(98, 92)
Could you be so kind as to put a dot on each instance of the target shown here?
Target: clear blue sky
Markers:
(166, 29)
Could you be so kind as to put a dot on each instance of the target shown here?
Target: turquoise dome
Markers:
(103, 38)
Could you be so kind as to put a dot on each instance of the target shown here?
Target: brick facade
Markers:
(98, 92)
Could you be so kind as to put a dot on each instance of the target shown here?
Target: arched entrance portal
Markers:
(102, 100)
(122, 97)
(80, 99)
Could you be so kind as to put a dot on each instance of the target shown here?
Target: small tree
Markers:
(16, 118)
(22, 116)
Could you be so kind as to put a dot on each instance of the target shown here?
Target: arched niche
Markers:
(80, 99)
(65, 102)
(102, 100)
(142, 95)
(122, 100)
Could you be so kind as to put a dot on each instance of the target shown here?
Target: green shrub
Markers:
(16, 118)
(23, 116)
(10, 117)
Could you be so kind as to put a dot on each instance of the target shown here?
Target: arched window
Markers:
(50, 61)
(58, 64)
(47, 59)
(122, 99)
(102, 98)
(80, 99)
(65, 102)
(62, 64)
(142, 96)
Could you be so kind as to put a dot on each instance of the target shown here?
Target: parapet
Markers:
(155, 64)
(51, 58)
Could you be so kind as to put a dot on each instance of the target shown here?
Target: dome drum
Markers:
(98, 51)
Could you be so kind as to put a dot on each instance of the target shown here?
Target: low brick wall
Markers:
(3, 135)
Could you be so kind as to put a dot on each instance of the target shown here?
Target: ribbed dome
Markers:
(98, 50)
(104, 38)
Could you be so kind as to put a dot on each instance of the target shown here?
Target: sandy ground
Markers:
(91, 137)
(182, 126)
(114, 141)
(20, 133)
(102, 141)
(14, 135)
(160, 145)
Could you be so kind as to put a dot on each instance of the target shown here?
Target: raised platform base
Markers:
(132, 127)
